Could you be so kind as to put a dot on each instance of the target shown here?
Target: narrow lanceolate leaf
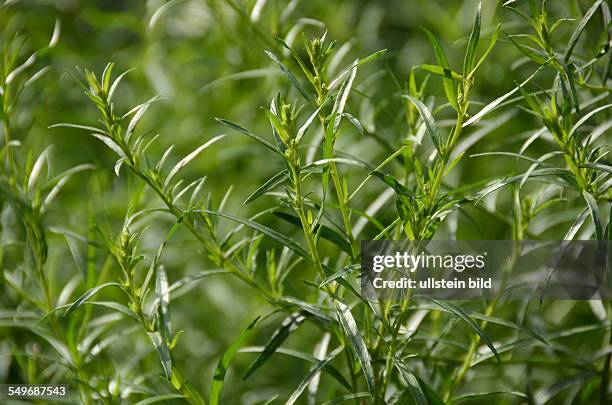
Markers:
(224, 362)
(248, 133)
(159, 398)
(275, 181)
(495, 103)
(110, 143)
(163, 296)
(277, 236)
(489, 48)
(294, 81)
(592, 203)
(343, 94)
(413, 394)
(579, 28)
(347, 398)
(138, 114)
(189, 158)
(37, 167)
(302, 131)
(430, 123)
(313, 372)
(90, 293)
(461, 314)
(329, 369)
(163, 352)
(340, 274)
(470, 54)
(398, 187)
(481, 395)
(77, 126)
(587, 116)
(319, 353)
(350, 329)
(448, 84)
(289, 324)
(437, 70)
(323, 231)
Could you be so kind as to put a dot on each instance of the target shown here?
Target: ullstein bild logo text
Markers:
(471, 269)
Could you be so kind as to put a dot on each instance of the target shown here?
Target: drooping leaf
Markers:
(294, 81)
(87, 295)
(460, 313)
(248, 133)
(350, 329)
(277, 236)
(324, 231)
(578, 30)
(329, 369)
(430, 122)
(163, 352)
(159, 398)
(437, 70)
(413, 394)
(289, 324)
(275, 181)
(495, 103)
(595, 215)
(311, 374)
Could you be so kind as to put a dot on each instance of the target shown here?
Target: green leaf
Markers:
(276, 180)
(277, 236)
(294, 81)
(578, 30)
(470, 54)
(489, 49)
(311, 374)
(162, 351)
(350, 329)
(340, 274)
(90, 293)
(341, 99)
(430, 123)
(495, 103)
(324, 231)
(460, 313)
(535, 55)
(393, 182)
(363, 61)
(598, 166)
(289, 324)
(479, 395)
(413, 393)
(586, 117)
(114, 146)
(183, 162)
(595, 215)
(159, 398)
(449, 88)
(248, 133)
(437, 70)
(162, 293)
(348, 397)
(329, 369)
(116, 307)
(224, 362)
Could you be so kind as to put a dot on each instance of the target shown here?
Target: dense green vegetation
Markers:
(184, 186)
